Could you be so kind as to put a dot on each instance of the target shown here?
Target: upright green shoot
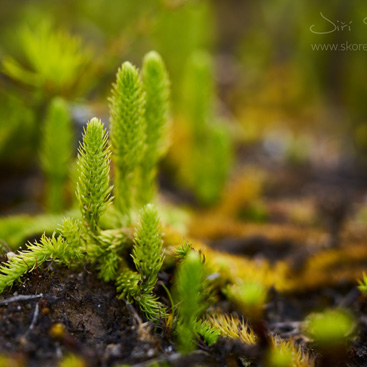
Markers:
(190, 299)
(210, 148)
(147, 252)
(148, 259)
(199, 93)
(127, 134)
(56, 153)
(93, 186)
(156, 86)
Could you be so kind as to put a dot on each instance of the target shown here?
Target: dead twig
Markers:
(20, 298)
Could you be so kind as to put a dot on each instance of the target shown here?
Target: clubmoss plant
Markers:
(93, 188)
(156, 87)
(56, 59)
(147, 252)
(210, 147)
(127, 106)
(56, 248)
(148, 259)
(56, 153)
(191, 304)
(199, 93)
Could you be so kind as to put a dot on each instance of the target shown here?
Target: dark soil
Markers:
(97, 325)
(76, 312)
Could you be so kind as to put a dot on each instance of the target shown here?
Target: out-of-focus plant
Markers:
(190, 22)
(330, 332)
(191, 291)
(51, 63)
(56, 153)
(205, 169)
(17, 123)
(55, 61)
(156, 87)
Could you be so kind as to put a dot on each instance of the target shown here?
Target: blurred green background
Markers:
(272, 88)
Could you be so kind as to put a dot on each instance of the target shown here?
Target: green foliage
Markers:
(93, 188)
(189, 297)
(363, 285)
(127, 106)
(192, 23)
(208, 332)
(211, 147)
(279, 358)
(17, 128)
(109, 245)
(54, 248)
(56, 153)
(73, 235)
(84, 240)
(147, 252)
(250, 297)
(56, 59)
(156, 87)
(199, 93)
(210, 168)
(181, 251)
(16, 229)
(148, 259)
(128, 284)
(331, 328)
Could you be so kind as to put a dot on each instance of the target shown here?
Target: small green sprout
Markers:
(56, 153)
(156, 87)
(250, 297)
(331, 328)
(127, 106)
(191, 304)
(93, 188)
(147, 252)
(148, 259)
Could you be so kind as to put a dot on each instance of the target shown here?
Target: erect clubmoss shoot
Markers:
(56, 153)
(156, 87)
(127, 105)
(189, 298)
(93, 187)
(148, 258)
